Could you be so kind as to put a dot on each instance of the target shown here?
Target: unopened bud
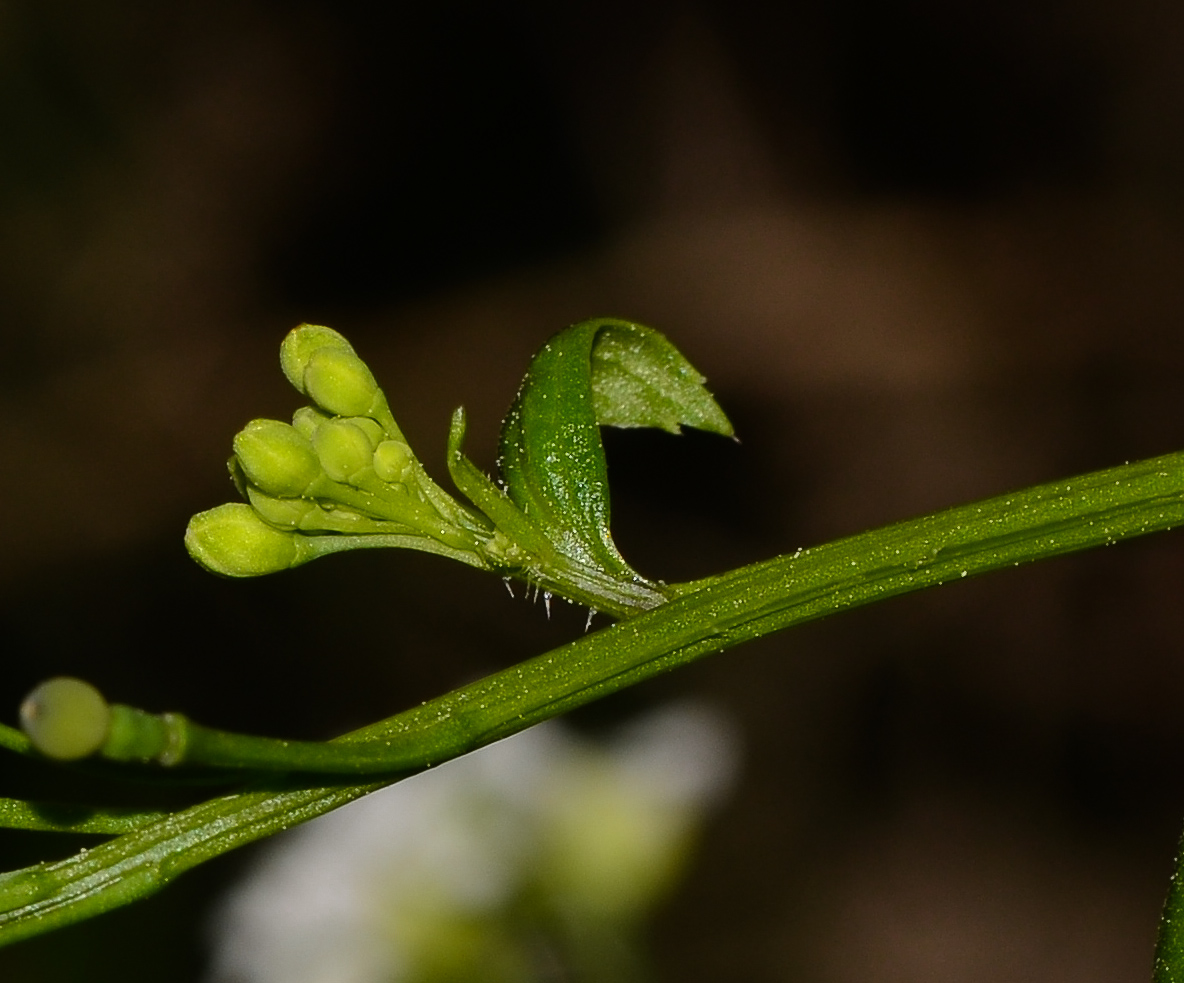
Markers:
(276, 458)
(371, 428)
(301, 344)
(338, 381)
(286, 513)
(307, 419)
(392, 460)
(234, 541)
(66, 718)
(343, 448)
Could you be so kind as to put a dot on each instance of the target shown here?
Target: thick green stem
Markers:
(711, 615)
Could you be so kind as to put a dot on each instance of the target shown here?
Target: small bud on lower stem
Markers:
(66, 718)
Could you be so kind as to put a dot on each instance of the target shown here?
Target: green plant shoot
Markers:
(342, 476)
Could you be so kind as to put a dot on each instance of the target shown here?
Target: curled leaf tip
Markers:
(639, 379)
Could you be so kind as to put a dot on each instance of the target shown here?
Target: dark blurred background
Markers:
(924, 251)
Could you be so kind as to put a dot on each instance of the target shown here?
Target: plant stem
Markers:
(58, 818)
(1169, 946)
(719, 612)
(709, 616)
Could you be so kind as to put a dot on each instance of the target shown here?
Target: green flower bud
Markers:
(234, 541)
(392, 460)
(371, 428)
(322, 364)
(287, 513)
(66, 718)
(338, 381)
(276, 457)
(343, 449)
(300, 345)
(307, 419)
(236, 475)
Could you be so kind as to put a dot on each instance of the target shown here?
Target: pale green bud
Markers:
(276, 457)
(66, 718)
(234, 541)
(307, 419)
(338, 381)
(344, 449)
(371, 428)
(236, 475)
(392, 460)
(287, 513)
(322, 364)
(300, 345)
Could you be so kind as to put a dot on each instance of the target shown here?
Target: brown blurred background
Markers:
(924, 251)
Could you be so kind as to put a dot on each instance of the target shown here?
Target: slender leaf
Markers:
(602, 371)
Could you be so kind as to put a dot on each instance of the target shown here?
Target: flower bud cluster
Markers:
(341, 466)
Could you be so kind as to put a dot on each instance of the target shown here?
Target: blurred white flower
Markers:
(541, 851)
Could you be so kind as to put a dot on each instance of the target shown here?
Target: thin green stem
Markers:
(53, 817)
(710, 616)
(720, 612)
(13, 740)
(1169, 947)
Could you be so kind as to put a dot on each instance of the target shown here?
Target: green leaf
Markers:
(602, 371)
(639, 379)
(551, 513)
(521, 548)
